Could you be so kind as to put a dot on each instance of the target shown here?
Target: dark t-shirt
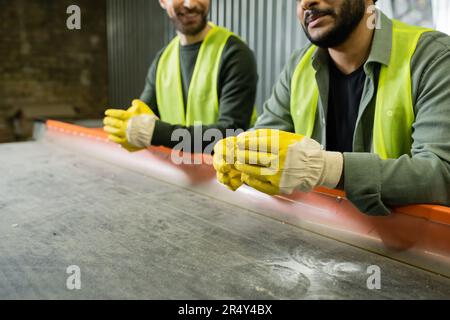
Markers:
(343, 107)
(188, 58)
(237, 85)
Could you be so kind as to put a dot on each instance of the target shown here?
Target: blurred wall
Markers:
(47, 70)
(270, 28)
(135, 35)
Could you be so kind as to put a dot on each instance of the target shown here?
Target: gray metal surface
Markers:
(136, 237)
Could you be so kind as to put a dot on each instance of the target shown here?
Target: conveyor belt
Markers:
(137, 237)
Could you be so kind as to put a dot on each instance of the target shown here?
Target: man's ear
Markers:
(162, 3)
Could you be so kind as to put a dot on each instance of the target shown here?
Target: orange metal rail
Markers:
(416, 235)
(433, 213)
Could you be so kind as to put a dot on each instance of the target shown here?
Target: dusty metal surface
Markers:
(136, 237)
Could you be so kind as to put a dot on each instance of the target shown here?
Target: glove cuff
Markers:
(140, 130)
(332, 171)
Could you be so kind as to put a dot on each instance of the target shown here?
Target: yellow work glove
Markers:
(277, 162)
(224, 159)
(133, 128)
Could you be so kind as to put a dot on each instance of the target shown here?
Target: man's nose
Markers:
(308, 4)
(188, 3)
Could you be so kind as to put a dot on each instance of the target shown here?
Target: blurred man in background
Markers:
(206, 78)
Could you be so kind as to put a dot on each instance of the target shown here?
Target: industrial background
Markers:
(48, 71)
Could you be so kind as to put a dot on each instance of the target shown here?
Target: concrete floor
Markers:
(134, 237)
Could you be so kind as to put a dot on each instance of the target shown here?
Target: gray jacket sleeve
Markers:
(373, 184)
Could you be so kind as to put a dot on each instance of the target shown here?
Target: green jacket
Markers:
(371, 183)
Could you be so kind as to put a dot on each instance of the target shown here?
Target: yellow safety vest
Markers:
(203, 101)
(394, 110)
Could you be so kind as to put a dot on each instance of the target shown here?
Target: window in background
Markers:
(416, 12)
(441, 14)
(426, 13)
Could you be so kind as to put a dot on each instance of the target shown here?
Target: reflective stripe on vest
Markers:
(203, 101)
(394, 109)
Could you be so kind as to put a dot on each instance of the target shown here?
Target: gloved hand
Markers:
(224, 159)
(132, 129)
(277, 162)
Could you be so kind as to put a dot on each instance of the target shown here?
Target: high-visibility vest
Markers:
(394, 109)
(203, 101)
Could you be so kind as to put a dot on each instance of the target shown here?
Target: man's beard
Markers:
(350, 15)
(191, 29)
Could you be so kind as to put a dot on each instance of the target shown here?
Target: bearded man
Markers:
(206, 78)
(365, 108)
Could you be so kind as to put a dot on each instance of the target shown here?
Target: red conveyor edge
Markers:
(417, 235)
